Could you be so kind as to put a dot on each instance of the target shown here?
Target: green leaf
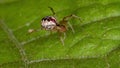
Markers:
(95, 43)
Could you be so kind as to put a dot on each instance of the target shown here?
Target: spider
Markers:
(51, 24)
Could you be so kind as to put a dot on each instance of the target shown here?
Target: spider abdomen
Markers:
(48, 23)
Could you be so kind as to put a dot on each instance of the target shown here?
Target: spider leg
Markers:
(66, 19)
(53, 12)
(71, 16)
(77, 17)
(33, 30)
(71, 27)
(62, 37)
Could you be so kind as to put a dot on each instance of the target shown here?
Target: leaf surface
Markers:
(95, 43)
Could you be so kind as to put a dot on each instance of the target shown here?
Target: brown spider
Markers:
(50, 23)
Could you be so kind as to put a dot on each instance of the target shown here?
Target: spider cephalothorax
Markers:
(48, 23)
